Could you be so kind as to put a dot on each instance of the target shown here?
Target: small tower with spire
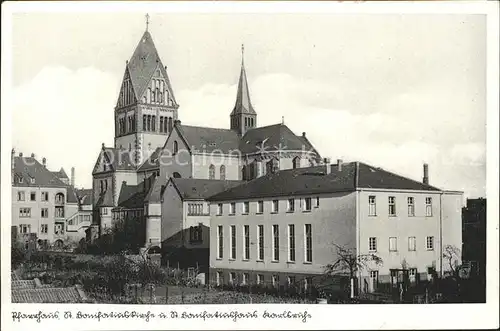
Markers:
(243, 117)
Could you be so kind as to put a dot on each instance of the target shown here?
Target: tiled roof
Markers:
(28, 168)
(153, 162)
(313, 180)
(309, 147)
(72, 196)
(191, 188)
(105, 199)
(22, 284)
(270, 138)
(117, 159)
(48, 295)
(204, 139)
(243, 104)
(154, 194)
(134, 196)
(60, 174)
(143, 64)
(85, 195)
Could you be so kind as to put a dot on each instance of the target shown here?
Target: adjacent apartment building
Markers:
(44, 208)
(282, 228)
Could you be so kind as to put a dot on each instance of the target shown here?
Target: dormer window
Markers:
(32, 180)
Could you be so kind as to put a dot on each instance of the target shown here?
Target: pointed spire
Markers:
(243, 103)
(147, 21)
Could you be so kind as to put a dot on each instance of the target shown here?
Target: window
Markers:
(307, 283)
(59, 228)
(161, 124)
(45, 196)
(392, 206)
(44, 212)
(222, 172)
(372, 244)
(195, 209)
(233, 242)
(411, 206)
(393, 244)
(219, 278)
(291, 242)
(20, 196)
(59, 198)
(260, 279)
(244, 279)
(276, 243)
(104, 211)
(24, 228)
(291, 280)
(33, 196)
(275, 206)
(260, 246)
(374, 276)
(246, 207)
(317, 202)
(246, 240)
(412, 244)
(211, 172)
(291, 205)
(219, 209)
(430, 243)
(296, 162)
(308, 242)
(412, 274)
(44, 228)
(428, 206)
(276, 281)
(260, 207)
(32, 180)
(196, 233)
(232, 278)
(220, 242)
(232, 208)
(372, 206)
(307, 204)
(24, 212)
(176, 148)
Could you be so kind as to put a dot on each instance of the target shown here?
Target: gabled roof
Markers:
(29, 168)
(60, 174)
(153, 161)
(155, 192)
(243, 103)
(117, 159)
(204, 139)
(143, 64)
(270, 138)
(85, 196)
(134, 196)
(191, 188)
(314, 180)
(105, 199)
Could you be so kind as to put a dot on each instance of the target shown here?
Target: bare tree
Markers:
(348, 261)
(452, 256)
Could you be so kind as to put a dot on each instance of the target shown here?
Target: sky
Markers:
(395, 91)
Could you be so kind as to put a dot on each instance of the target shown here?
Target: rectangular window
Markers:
(317, 202)
(412, 274)
(233, 242)
(45, 196)
(308, 242)
(219, 209)
(232, 208)
(374, 276)
(246, 207)
(428, 206)
(275, 206)
(33, 196)
(24, 212)
(412, 244)
(244, 279)
(219, 278)
(372, 206)
(260, 207)
(260, 279)
(20, 196)
(291, 205)
(232, 278)
(393, 244)
(392, 206)
(220, 242)
(307, 204)
(372, 244)
(44, 228)
(276, 281)
(411, 206)
(260, 234)
(430, 243)
(24, 228)
(246, 238)
(45, 212)
(291, 242)
(291, 280)
(276, 242)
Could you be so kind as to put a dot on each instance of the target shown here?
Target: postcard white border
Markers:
(458, 316)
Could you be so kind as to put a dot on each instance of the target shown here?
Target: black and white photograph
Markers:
(162, 156)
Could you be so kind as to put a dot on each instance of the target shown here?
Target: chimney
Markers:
(32, 155)
(303, 134)
(72, 183)
(328, 166)
(339, 164)
(425, 180)
(44, 162)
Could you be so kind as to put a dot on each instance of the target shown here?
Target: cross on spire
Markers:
(147, 21)
(242, 54)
